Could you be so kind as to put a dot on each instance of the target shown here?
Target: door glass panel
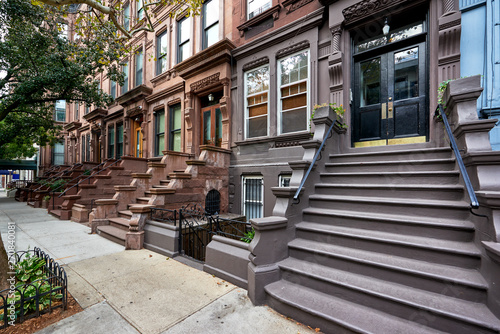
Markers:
(138, 143)
(394, 36)
(206, 127)
(406, 74)
(370, 82)
(218, 127)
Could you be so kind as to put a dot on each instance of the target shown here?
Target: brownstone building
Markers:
(365, 219)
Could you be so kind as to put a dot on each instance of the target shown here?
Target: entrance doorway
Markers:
(137, 138)
(212, 125)
(390, 89)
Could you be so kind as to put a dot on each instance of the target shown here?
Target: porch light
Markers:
(210, 97)
(386, 27)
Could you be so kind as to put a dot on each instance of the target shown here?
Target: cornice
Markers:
(134, 95)
(255, 63)
(292, 49)
(367, 8)
(273, 11)
(95, 114)
(165, 92)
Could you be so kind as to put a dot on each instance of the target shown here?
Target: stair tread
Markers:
(397, 218)
(354, 316)
(391, 200)
(389, 162)
(120, 221)
(392, 186)
(444, 272)
(409, 173)
(126, 213)
(458, 247)
(389, 152)
(161, 187)
(114, 231)
(144, 198)
(472, 312)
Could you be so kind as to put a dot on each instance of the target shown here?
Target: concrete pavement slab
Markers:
(84, 293)
(97, 319)
(151, 297)
(235, 313)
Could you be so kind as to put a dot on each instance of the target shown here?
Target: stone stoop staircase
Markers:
(385, 246)
(117, 228)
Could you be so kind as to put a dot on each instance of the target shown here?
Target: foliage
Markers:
(249, 236)
(46, 198)
(339, 110)
(40, 67)
(33, 283)
(87, 172)
(57, 184)
(441, 89)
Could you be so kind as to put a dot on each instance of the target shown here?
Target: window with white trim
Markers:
(138, 68)
(161, 52)
(60, 114)
(284, 180)
(183, 39)
(58, 154)
(124, 87)
(293, 93)
(253, 196)
(255, 7)
(210, 18)
(256, 102)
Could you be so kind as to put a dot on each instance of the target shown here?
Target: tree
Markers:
(41, 66)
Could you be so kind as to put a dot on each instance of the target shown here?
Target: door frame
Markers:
(213, 125)
(417, 40)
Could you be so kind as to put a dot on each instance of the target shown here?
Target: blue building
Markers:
(480, 54)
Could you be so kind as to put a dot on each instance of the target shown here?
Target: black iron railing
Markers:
(37, 296)
(313, 162)
(470, 190)
(92, 174)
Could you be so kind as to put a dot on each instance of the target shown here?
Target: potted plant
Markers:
(45, 201)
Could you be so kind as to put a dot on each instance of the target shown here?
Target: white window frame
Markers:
(205, 28)
(265, 6)
(246, 100)
(243, 191)
(188, 21)
(308, 88)
(159, 56)
(282, 177)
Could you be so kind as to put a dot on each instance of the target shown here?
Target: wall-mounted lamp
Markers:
(386, 27)
(210, 97)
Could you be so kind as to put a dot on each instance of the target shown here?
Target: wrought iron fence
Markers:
(38, 295)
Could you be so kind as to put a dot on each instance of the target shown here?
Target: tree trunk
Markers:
(4, 267)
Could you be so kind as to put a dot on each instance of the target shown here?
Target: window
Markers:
(111, 141)
(284, 180)
(83, 149)
(161, 53)
(253, 197)
(210, 23)
(255, 7)
(112, 89)
(175, 128)
(77, 110)
(124, 88)
(183, 39)
(293, 110)
(138, 68)
(58, 154)
(60, 115)
(159, 132)
(87, 109)
(63, 30)
(256, 102)
(87, 152)
(119, 140)
(126, 17)
(140, 9)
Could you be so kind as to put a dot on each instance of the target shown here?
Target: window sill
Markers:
(273, 11)
(283, 140)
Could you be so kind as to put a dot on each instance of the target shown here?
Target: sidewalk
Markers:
(136, 291)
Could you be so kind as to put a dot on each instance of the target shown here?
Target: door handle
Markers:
(390, 108)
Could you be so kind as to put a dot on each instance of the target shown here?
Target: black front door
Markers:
(390, 96)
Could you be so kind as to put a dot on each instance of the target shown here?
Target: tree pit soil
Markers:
(35, 324)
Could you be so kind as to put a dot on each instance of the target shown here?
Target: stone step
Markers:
(448, 229)
(164, 182)
(420, 207)
(127, 214)
(143, 200)
(456, 253)
(421, 191)
(332, 314)
(448, 313)
(406, 177)
(120, 223)
(464, 283)
(112, 233)
(391, 166)
(56, 213)
(392, 155)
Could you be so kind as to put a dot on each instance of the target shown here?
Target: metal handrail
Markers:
(55, 178)
(472, 195)
(327, 135)
(92, 175)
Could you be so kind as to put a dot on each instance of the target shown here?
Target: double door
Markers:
(211, 120)
(390, 97)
